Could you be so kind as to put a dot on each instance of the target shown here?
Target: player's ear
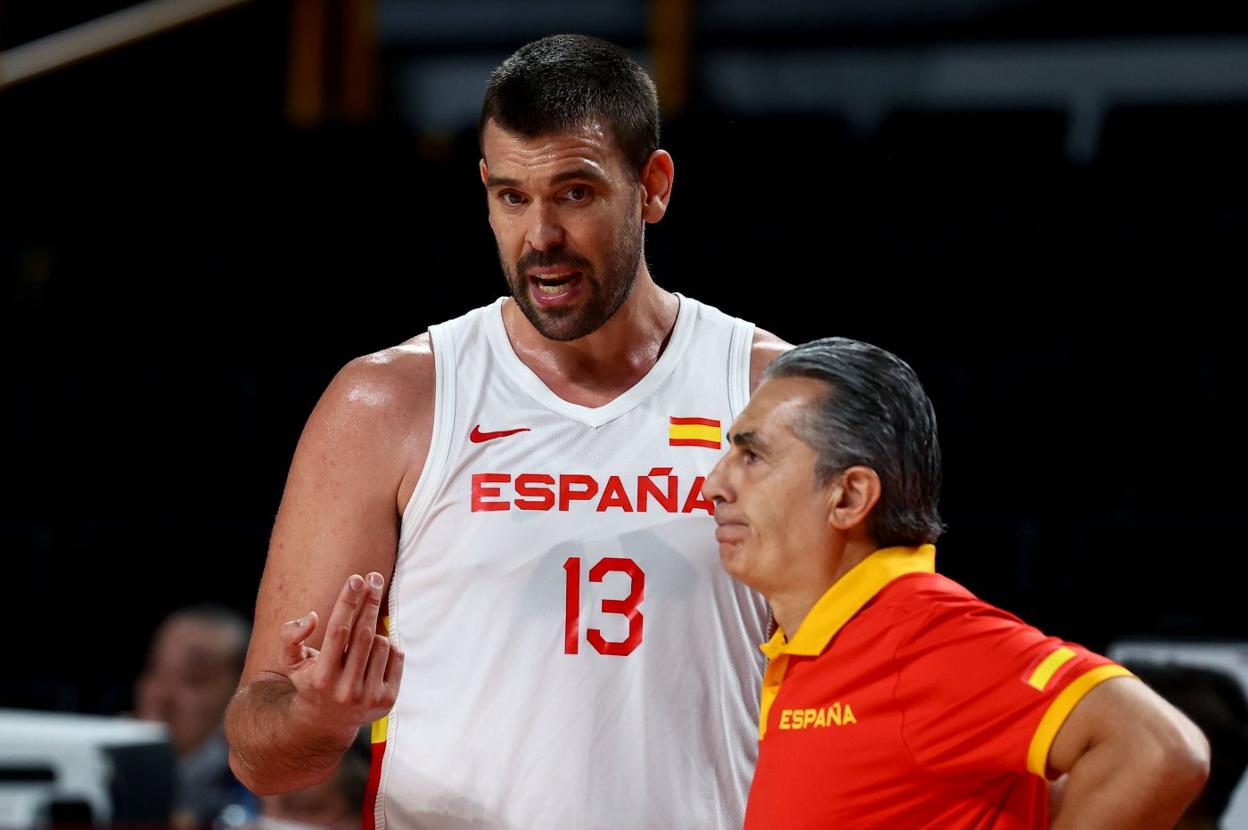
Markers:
(852, 497)
(656, 185)
(485, 171)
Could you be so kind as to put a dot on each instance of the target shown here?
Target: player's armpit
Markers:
(765, 348)
(1132, 760)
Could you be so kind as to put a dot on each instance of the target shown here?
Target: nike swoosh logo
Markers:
(479, 437)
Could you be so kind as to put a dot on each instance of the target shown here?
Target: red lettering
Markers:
(536, 497)
(614, 496)
(572, 606)
(647, 488)
(481, 491)
(536, 491)
(629, 607)
(696, 500)
(568, 495)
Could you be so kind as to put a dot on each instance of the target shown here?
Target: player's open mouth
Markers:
(555, 289)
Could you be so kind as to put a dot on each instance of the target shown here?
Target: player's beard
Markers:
(603, 296)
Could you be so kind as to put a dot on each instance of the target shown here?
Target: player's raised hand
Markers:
(354, 678)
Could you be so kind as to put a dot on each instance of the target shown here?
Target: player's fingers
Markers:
(341, 620)
(362, 633)
(394, 670)
(293, 634)
(375, 676)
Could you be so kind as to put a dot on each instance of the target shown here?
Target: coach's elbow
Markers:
(1178, 757)
(1191, 759)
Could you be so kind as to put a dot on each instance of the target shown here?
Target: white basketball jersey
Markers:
(576, 655)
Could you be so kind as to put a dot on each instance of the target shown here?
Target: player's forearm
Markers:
(1123, 787)
(274, 750)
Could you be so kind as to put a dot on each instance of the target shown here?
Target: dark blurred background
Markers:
(1040, 205)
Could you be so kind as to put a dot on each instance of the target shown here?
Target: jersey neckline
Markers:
(592, 416)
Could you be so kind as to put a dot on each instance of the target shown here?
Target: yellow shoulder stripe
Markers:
(1060, 708)
(1048, 667)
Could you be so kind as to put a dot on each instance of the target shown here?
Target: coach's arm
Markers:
(319, 666)
(1132, 760)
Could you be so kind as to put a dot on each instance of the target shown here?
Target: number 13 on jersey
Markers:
(629, 607)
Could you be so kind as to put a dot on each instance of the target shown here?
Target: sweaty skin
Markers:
(556, 199)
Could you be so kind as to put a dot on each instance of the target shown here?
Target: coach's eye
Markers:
(510, 198)
(578, 193)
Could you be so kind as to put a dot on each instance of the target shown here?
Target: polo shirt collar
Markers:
(847, 596)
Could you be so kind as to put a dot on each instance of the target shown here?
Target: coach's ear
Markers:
(656, 185)
(851, 498)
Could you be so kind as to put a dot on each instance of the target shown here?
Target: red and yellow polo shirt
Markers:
(903, 701)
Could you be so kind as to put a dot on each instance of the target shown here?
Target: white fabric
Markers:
(271, 823)
(496, 726)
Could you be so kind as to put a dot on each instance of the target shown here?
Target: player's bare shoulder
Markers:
(765, 348)
(385, 389)
(379, 410)
(398, 380)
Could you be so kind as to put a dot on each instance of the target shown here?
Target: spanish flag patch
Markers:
(694, 432)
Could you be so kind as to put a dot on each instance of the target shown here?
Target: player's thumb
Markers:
(294, 633)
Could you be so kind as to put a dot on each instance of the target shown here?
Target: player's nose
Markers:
(545, 232)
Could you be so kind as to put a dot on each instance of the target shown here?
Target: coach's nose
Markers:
(716, 487)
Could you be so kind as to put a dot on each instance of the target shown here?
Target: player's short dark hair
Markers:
(561, 82)
(876, 415)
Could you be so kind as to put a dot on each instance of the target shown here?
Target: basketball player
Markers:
(571, 653)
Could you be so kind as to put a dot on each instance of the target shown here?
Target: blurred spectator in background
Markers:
(337, 803)
(1215, 702)
(192, 669)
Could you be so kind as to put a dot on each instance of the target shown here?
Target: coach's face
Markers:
(772, 514)
(567, 215)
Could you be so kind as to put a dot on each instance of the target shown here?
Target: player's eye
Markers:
(510, 198)
(578, 193)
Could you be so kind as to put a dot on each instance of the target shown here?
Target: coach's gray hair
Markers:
(875, 415)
